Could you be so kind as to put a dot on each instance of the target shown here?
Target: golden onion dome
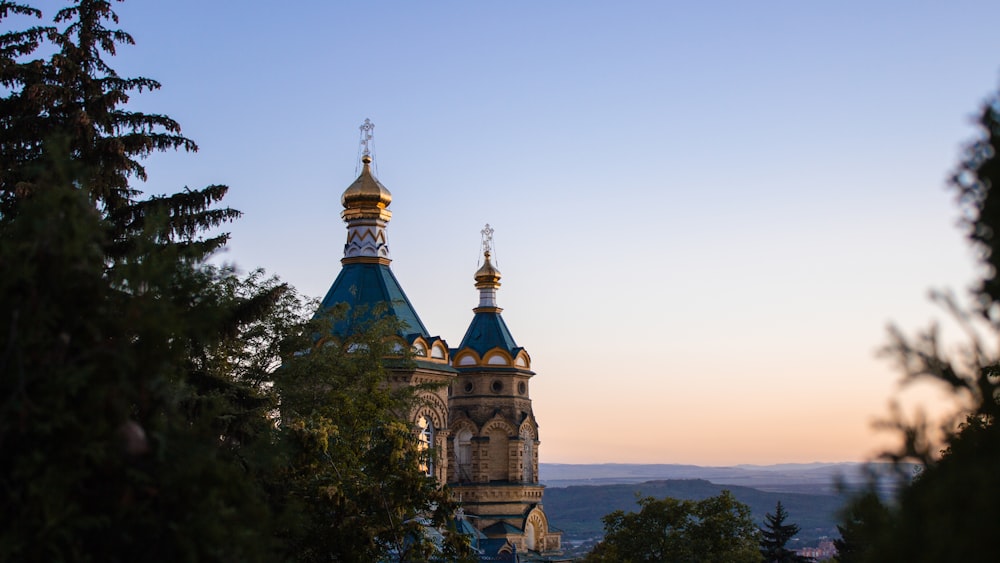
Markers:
(366, 191)
(487, 274)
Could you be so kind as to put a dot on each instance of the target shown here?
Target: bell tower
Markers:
(493, 446)
(367, 286)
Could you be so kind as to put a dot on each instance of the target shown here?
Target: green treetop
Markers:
(717, 529)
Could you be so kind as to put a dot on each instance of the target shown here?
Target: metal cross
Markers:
(366, 137)
(487, 233)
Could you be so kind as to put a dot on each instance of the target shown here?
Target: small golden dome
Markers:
(488, 275)
(366, 191)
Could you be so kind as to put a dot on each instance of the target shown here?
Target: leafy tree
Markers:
(714, 529)
(947, 513)
(775, 535)
(354, 476)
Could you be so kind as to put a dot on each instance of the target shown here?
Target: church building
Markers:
(479, 418)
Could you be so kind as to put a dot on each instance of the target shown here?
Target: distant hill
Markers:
(577, 510)
(814, 478)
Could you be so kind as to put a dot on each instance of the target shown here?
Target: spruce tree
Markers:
(74, 97)
(131, 404)
(68, 108)
(22, 106)
(775, 535)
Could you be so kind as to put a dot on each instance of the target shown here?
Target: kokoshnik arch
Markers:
(479, 417)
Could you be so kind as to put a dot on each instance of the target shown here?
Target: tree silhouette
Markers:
(947, 512)
(74, 102)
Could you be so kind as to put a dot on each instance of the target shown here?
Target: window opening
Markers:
(426, 444)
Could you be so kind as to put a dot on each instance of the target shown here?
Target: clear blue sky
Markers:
(706, 212)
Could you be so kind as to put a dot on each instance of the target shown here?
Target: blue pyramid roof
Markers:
(366, 287)
(488, 331)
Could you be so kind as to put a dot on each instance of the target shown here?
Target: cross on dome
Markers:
(366, 137)
(487, 277)
(487, 233)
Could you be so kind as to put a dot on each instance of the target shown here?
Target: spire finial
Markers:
(488, 276)
(366, 212)
(487, 234)
(366, 137)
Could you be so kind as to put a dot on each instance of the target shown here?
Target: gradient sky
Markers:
(706, 212)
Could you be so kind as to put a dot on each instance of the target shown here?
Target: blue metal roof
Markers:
(367, 287)
(498, 550)
(501, 528)
(486, 332)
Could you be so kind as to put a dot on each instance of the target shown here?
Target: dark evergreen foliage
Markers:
(75, 98)
(101, 462)
(21, 129)
(947, 513)
(863, 521)
(974, 179)
(775, 535)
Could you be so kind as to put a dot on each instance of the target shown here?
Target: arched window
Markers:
(426, 438)
(529, 536)
(437, 352)
(463, 456)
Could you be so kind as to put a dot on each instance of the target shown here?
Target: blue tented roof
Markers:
(488, 331)
(366, 287)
